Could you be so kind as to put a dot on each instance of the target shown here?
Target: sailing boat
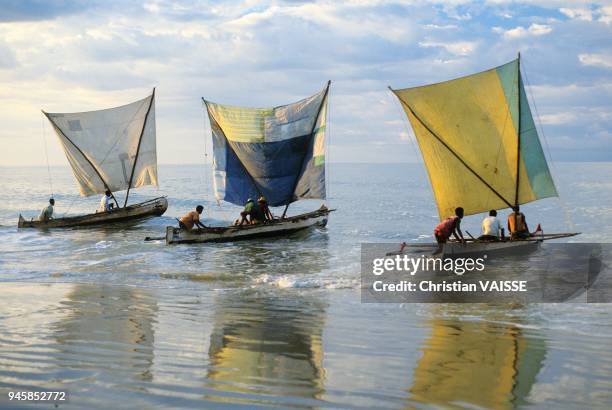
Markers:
(278, 153)
(480, 146)
(112, 149)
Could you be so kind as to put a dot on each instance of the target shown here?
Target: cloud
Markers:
(79, 55)
(521, 32)
(605, 14)
(7, 57)
(458, 48)
(597, 60)
(578, 13)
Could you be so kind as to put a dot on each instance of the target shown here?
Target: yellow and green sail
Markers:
(479, 141)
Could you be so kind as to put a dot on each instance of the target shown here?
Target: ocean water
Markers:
(115, 320)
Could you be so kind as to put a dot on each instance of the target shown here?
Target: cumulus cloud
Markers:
(458, 48)
(84, 55)
(605, 14)
(598, 60)
(521, 32)
(578, 13)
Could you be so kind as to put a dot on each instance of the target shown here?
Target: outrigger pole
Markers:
(305, 152)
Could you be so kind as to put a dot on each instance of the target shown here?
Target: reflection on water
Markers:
(477, 363)
(267, 345)
(108, 327)
(140, 348)
(279, 322)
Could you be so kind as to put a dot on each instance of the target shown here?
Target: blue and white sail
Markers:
(275, 152)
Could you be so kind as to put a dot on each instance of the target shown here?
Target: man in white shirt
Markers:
(491, 228)
(47, 212)
(105, 203)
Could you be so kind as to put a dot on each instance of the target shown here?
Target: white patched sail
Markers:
(110, 149)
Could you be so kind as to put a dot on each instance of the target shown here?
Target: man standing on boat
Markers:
(449, 226)
(192, 218)
(491, 227)
(47, 212)
(105, 203)
(517, 224)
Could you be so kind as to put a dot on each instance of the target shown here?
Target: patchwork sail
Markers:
(275, 152)
(111, 149)
(479, 141)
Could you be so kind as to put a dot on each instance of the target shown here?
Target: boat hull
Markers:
(475, 247)
(506, 248)
(235, 233)
(143, 210)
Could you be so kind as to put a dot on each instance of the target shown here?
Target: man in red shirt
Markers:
(449, 226)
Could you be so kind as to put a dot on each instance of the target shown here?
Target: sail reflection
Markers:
(485, 364)
(109, 328)
(268, 343)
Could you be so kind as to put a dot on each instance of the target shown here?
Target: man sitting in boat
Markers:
(517, 224)
(105, 202)
(265, 209)
(47, 212)
(247, 214)
(449, 226)
(491, 227)
(187, 222)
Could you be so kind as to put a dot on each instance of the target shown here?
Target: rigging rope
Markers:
(566, 212)
(328, 148)
(46, 152)
(412, 138)
(206, 183)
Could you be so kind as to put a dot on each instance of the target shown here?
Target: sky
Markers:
(77, 55)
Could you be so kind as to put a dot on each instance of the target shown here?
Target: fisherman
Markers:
(517, 224)
(491, 228)
(449, 226)
(47, 212)
(247, 212)
(105, 202)
(265, 209)
(192, 218)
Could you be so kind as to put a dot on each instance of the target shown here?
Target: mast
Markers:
(305, 152)
(518, 132)
(518, 136)
(144, 124)
(58, 129)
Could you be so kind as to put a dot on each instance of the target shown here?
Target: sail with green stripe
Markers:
(276, 152)
(479, 141)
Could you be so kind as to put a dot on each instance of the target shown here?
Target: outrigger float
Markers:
(277, 153)
(481, 149)
(114, 150)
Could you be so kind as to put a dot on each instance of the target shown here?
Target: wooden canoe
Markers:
(143, 210)
(278, 227)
